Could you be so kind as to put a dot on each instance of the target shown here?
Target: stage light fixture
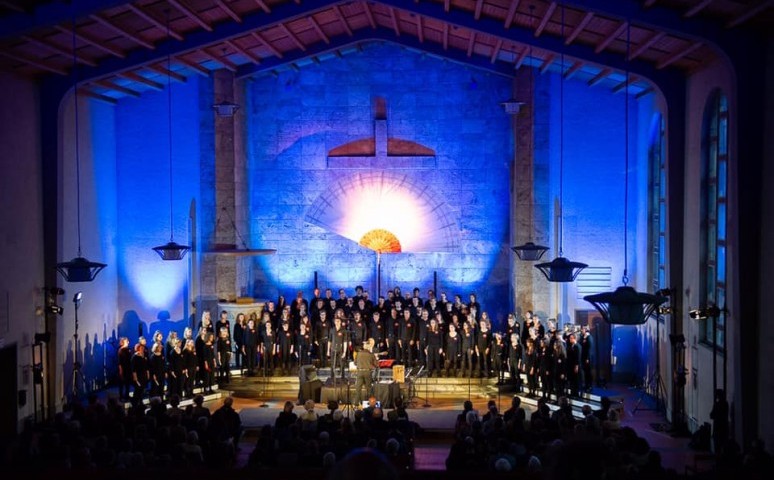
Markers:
(664, 292)
(667, 310)
(55, 291)
(77, 298)
(55, 309)
(225, 109)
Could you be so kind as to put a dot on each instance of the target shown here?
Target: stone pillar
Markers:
(528, 200)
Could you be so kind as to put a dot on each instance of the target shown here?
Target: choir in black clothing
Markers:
(446, 338)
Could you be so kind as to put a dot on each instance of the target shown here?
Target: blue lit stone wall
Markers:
(296, 118)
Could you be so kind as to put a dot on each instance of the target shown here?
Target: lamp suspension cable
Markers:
(77, 138)
(561, 141)
(625, 278)
(169, 126)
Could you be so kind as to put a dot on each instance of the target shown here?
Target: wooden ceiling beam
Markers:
(520, 59)
(253, 58)
(97, 96)
(342, 19)
(471, 43)
(299, 44)
(496, 51)
(369, 14)
(186, 10)
(195, 66)
(163, 70)
(445, 36)
(604, 73)
(118, 88)
(750, 12)
(12, 6)
(446, 5)
(511, 13)
(98, 44)
(607, 41)
(675, 56)
(228, 11)
(420, 30)
(640, 49)
(622, 86)
(60, 50)
(266, 44)
(479, 7)
(545, 19)
(122, 31)
(394, 18)
(33, 62)
(145, 16)
(574, 68)
(136, 77)
(263, 6)
(579, 28)
(696, 8)
(547, 62)
(318, 29)
(227, 64)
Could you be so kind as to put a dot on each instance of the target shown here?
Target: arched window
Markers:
(657, 204)
(714, 199)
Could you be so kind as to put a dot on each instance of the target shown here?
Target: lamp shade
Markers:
(625, 306)
(79, 269)
(172, 251)
(561, 269)
(529, 251)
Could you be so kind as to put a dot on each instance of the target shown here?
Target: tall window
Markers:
(657, 205)
(714, 206)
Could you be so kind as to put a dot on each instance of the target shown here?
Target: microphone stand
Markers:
(263, 358)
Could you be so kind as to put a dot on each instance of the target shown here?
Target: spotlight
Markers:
(704, 313)
(77, 298)
(225, 109)
(55, 291)
(665, 310)
(55, 309)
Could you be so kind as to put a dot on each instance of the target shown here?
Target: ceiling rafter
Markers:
(649, 3)
(98, 44)
(228, 10)
(163, 70)
(263, 6)
(622, 85)
(445, 36)
(118, 88)
(195, 66)
(12, 6)
(640, 49)
(446, 6)
(471, 43)
(750, 12)
(545, 19)
(188, 12)
(227, 64)
(136, 77)
(520, 59)
(299, 44)
(603, 74)
(318, 29)
(609, 39)
(97, 96)
(394, 17)
(266, 44)
(246, 53)
(673, 57)
(420, 31)
(146, 16)
(579, 28)
(479, 7)
(496, 51)
(342, 19)
(122, 31)
(696, 8)
(574, 68)
(369, 14)
(60, 50)
(547, 62)
(511, 13)
(34, 62)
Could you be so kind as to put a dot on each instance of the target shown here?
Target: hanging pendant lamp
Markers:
(170, 250)
(79, 269)
(561, 269)
(625, 305)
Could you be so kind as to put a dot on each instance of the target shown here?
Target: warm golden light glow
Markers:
(380, 240)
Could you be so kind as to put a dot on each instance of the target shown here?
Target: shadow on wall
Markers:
(96, 354)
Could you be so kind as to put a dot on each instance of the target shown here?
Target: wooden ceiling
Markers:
(124, 47)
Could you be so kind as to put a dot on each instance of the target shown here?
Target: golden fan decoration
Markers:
(380, 240)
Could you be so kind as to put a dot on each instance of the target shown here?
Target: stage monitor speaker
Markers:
(399, 373)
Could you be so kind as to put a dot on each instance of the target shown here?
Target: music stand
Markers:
(265, 382)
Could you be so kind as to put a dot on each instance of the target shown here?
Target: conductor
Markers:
(365, 362)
